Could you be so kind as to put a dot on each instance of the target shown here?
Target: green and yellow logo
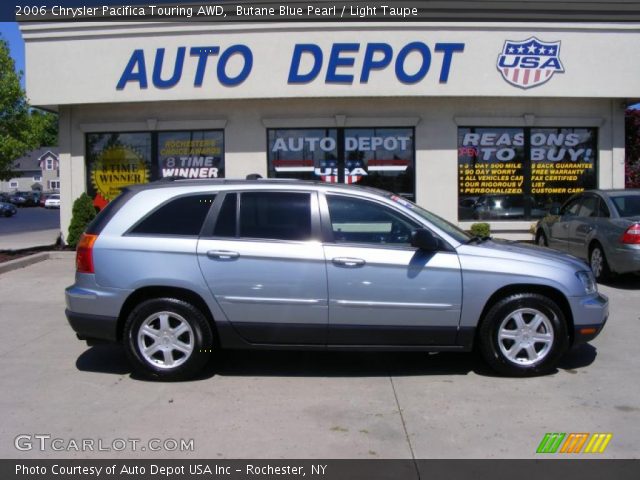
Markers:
(574, 443)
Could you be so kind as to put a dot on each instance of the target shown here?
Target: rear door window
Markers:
(275, 215)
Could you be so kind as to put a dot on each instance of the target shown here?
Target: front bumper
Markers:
(590, 314)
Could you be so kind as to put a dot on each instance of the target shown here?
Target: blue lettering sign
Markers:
(335, 61)
(448, 49)
(158, 82)
(203, 54)
(370, 64)
(246, 54)
(294, 71)
(424, 51)
(131, 75)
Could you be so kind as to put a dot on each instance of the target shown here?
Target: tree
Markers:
(632, 148)
(82, 214)
(21, 128)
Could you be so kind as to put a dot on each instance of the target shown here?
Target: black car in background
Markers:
(7, 209)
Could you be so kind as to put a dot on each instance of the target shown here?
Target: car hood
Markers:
(511, 250)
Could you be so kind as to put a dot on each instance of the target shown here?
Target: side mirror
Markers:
(424, 240)
(554, 211)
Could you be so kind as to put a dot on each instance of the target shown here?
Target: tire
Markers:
(177, 335)
(598, 263)
(505, 327)
(541, 239)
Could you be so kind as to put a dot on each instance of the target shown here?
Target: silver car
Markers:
(177, 269)
(601, 226)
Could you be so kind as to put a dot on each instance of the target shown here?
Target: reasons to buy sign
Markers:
(491, 161)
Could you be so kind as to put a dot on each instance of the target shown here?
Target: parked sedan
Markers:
(52, 201)
(601, 226)
(23, 199)
(505, 207)
(7, 209)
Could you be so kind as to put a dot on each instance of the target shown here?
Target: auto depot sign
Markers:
(154, 62)
(333, 64)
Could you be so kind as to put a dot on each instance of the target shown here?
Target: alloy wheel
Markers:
(525, 336)
(165, 340)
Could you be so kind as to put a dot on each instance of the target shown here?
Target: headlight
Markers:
(588, 282)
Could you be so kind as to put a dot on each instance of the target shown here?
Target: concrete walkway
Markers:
(20, 241)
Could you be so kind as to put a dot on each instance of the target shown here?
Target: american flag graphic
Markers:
(529, 63)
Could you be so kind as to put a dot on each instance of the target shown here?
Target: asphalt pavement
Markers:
(30, 227)
(301, 404)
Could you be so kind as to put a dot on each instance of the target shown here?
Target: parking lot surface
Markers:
(300, 404)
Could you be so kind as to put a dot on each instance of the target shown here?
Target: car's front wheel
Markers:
(168, 339)
(523, 334)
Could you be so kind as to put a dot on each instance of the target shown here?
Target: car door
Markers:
(582, 225)
(382, 291)
(559, 229)
(264, 264)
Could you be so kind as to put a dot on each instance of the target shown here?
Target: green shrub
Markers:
(480, 230)
(83, 213)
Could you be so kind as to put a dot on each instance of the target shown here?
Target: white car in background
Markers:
(53, 201)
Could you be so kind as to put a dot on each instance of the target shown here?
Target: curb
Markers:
(31, 259)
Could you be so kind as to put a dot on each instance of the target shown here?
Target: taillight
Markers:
(84, 253)
(632, 235)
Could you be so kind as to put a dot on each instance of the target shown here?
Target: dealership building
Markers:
(474, 120)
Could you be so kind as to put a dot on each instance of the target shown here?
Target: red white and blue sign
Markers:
(529, 63)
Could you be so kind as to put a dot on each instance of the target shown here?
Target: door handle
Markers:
(222, 254)
(348, 262)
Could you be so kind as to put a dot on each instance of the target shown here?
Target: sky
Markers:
(10, 32)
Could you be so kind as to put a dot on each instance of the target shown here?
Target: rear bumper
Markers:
(93, 311)
(93, 327)
(590, 315)
(624, 258)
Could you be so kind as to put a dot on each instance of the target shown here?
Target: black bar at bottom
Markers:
(575, 469)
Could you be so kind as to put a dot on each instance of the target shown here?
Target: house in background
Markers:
(37, 170)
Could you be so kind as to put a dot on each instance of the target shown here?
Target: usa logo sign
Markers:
(529, 63)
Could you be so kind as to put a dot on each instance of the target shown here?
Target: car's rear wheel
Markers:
(598, 263)
(523, 334)
(168, 339)
(541, 239)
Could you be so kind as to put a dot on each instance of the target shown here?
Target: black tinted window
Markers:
(275, 215)
(181, 216)
(362, 221)
(226, 223)
(603, 210)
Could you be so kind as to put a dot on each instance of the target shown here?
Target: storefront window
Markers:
(376, 157)
(520, 173)
(191, 154)
(115, 160)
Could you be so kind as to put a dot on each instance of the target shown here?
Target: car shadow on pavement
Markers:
(108, 358)
(339, 364)
(111, 359)
(628, 281)
(578, 357)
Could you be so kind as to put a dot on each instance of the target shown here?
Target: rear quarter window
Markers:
(182, 216)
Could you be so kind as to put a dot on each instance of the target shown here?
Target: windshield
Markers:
(627, 205)
(450, 229)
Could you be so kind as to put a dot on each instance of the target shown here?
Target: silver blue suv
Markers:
(177, 269)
